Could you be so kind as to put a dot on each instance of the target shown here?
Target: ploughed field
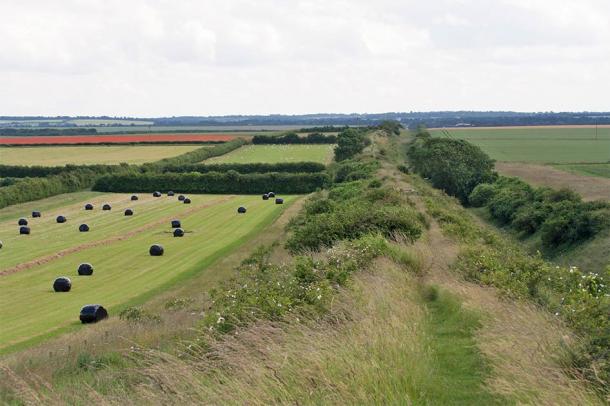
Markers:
(83, 155)
(118, 248)
(539, 144)
(276, 154)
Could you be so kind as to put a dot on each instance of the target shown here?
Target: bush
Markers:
(454, 166)
(350, 142)
(481, 195)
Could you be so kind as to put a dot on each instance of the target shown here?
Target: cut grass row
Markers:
(124, 272)
(276, 154)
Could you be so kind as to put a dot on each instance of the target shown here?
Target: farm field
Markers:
(81, 155)
(114, 139)
(277, 153)
(601, 170)
(117, 246)
(539, 145)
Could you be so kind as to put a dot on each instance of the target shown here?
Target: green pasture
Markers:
(540, 145)
(124, 272)
(276, 154)
(81, 155)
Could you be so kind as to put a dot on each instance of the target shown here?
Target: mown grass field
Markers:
(539, 145)
(600, 170)
(80, 155)
(277, 153)
(117, 246)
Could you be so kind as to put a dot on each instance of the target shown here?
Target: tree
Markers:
(390, 127)
(349, 143)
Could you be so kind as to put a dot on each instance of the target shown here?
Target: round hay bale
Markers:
(106, 207)
(36, 214)
(181, 197)
(85, 269)
(265, 196)
(24, 230)
(88, 206)
(156, 194)
(128, 212)
(279, 201)
(170, 193)
(1, 245)
(176, 224)
(241, 210)
(156, 250)
(22, 222)
(186, 201)
(62, 284)
(61, 219)
(83, 228)
(178, 232)
(134, 197)
(92, 314)
(271, 194)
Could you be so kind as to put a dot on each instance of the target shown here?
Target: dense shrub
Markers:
(454, 166)
(350, 142)
(391, 127)
(294, 138)
(213, 182)
(560, 216)
(350, 170)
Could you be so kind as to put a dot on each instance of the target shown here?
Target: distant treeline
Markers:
(294, 138)
(46, 131)
(230, 182)
(323, 129)
(285, 167)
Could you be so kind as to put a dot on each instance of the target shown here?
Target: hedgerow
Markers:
(294, 138)
(289, 167)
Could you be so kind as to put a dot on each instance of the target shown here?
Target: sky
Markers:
(147, 58)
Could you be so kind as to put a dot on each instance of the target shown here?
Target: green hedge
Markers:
(214, 182)
(289, 167)
(29, 189)
(294, 138)
(200, 154)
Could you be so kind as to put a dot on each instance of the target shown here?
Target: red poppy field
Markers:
(115, 139)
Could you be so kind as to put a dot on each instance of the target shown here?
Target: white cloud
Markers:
(163, 57)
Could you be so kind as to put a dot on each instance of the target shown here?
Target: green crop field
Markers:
(540, 145)
(277, 153)
(117, 247)
(79, 155)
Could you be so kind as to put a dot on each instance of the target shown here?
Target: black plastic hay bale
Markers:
(88, 206)
(134, 197)
(92, 314)
(156, 194)
(22, 222)
(241, 210)
(279, 201)
(170, 193)
(181, 197)
(265, 196)
(128, 212)
(178, 232)
(85, 269)
(36, 214)
(1, 245)
(83, 228)
(156, 250)
(106, 207)
(176, 224)
(271, 194)
(62, 284)
(186, 200)
(61, 219)
(24, 230)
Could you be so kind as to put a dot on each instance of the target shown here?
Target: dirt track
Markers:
(589, 187)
